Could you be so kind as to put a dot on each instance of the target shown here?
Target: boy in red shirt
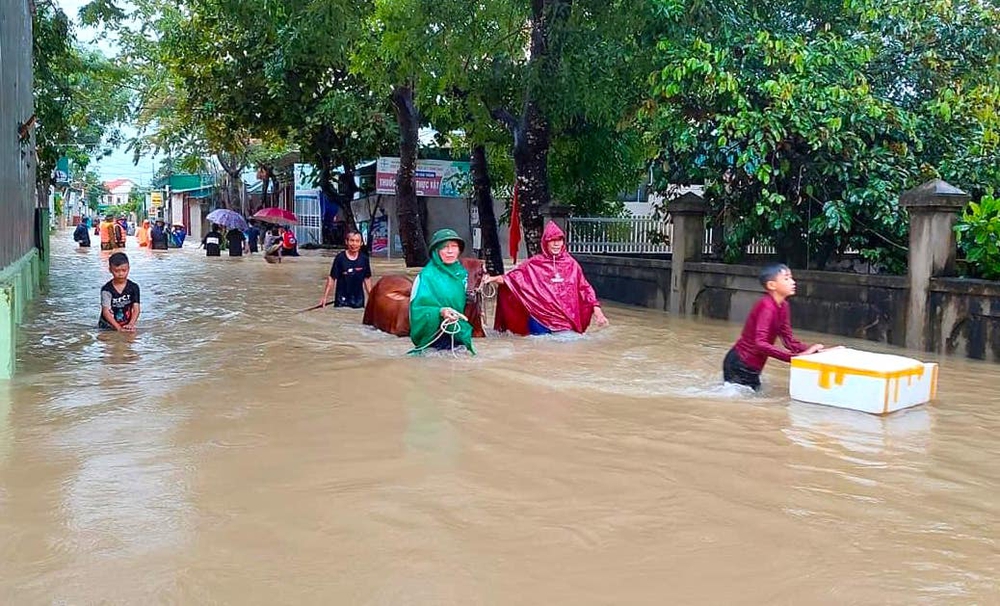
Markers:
(769, 319)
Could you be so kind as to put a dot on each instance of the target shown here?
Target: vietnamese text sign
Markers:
(432, 178)
(156, 199)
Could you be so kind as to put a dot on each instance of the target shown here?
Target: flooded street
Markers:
(233, 451)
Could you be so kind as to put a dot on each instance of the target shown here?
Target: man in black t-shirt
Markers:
(352, 274)
(211, 242)
(235, 239)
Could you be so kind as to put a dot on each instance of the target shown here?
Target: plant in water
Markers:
(979, 237)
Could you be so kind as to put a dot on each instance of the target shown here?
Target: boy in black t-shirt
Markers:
(119, 297)
(352, 273)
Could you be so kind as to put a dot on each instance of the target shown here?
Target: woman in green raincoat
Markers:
(437, 296)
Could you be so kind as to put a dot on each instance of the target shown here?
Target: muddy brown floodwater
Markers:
(234, 452)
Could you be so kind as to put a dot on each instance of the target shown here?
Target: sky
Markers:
(119, 164)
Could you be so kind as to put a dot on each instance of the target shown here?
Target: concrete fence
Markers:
(929, 309)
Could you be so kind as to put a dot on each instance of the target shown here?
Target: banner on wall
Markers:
(432, 179)
(380, 234)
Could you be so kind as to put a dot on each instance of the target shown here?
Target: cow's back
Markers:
(388, 307)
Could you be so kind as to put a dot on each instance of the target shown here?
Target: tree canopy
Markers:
(80, 100)
(807, 119)
(803, 119)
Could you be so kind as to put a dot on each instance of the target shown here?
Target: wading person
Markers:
(120, 233)
(547, 293)
(253, 237)
(289, 245)
(272, 246)
(158, 236)
(234, 242)
(769, 319)
(438, 293)
(178, 234)
(142, 234)
(212, 242)
(119, 297)
(350, 276)
(81, 235)
(106, 231)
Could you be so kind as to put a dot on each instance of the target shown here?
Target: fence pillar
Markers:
(934, 208)
(688, 242)
(558, 214)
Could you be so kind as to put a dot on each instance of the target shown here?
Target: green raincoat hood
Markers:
(439, 285)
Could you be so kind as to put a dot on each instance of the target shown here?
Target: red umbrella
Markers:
(277, 216)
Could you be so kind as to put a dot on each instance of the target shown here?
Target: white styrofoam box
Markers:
(860, 380)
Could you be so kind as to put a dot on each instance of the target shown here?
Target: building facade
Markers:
(23, 228)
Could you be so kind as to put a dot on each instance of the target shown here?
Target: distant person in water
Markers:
(253, 237)
(547, 293)
(212, 242)
(439, 292)
(235, 241)
(119, 297)
(107, 234)
(120, 230)
(350, 276)
(81, 235)
(177, 235)
(769, 319)
(289, 245)
(158, 236)
(142, 234)
(272, 246)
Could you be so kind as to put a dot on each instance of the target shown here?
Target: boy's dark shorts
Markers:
(734, 370)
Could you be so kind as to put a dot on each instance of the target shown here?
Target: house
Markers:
(185, 199)
(118, 191)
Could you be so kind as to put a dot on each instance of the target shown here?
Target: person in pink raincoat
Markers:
(547, 293)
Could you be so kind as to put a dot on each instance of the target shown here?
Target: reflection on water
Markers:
(234, 450)
(907, 432)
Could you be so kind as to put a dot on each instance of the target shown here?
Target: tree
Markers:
(79, 100)
(806, 120)
(575, 82)
(90, 184)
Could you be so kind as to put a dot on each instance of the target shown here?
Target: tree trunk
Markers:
(266, 176)
(343, 194)
(531, 157)
(483, 197)
(411, 230)
(531, 130)
(347, 188)
(232, 165)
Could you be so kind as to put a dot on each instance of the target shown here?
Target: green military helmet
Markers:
(443, 235)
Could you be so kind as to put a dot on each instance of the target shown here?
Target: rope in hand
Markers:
(488, 291)
(449, 326)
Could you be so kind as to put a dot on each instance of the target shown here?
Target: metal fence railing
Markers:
(619, 235)
(643, 235)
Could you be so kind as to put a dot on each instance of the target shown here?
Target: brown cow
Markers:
(388, 307)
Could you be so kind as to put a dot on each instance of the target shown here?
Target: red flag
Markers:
(515, 226)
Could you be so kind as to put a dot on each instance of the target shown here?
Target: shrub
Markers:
(978, 232)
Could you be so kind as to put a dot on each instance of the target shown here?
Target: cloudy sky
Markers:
(119, 164)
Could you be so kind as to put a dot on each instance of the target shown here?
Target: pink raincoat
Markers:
(550, 289)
